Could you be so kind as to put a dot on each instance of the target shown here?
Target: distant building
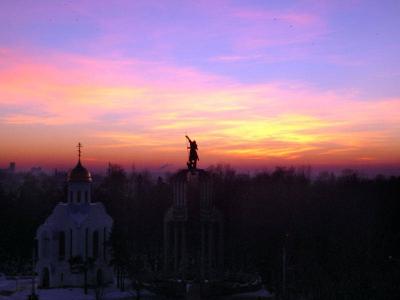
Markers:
(73, 239)
(193, 229)
(36, 170)
(10, 169)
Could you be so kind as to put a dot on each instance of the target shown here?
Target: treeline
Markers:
(334, 237)
(331, 237)
(25, 202)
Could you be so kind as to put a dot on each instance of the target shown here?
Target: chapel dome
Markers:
(79, 174)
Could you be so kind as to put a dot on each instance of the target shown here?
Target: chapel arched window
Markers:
(95, 244)
(61, 245)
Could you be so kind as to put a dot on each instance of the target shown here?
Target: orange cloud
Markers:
(138, 110)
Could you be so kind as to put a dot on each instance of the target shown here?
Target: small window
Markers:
(61, 245)
(95, 244)
(86, 196)
(79, 196)
(70, 242)
(71, 196)
(104, 244)
(36, 249)
(45, 245)
(86, 242)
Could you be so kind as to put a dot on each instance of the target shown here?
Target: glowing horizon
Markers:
(311, 83)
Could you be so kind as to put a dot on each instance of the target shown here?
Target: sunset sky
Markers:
(256, 83)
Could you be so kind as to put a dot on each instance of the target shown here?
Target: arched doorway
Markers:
(45, 278)
(99, 277)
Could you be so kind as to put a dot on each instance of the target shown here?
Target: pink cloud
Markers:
(132, 106)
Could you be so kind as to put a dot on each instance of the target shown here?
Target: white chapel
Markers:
(73, 241)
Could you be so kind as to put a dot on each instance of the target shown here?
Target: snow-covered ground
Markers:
(7, 287)
(10, 291)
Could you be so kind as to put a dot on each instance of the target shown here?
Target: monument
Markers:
(194, 235)
(193, 226)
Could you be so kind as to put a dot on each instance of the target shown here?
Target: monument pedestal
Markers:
(193, 228)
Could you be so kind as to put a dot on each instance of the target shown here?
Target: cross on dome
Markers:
(79, 173)
(79, 146)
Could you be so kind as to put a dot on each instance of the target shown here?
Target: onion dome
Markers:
(79, 174)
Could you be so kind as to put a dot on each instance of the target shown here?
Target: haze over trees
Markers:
(339, 233)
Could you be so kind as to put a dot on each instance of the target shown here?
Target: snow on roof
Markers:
(67, 215)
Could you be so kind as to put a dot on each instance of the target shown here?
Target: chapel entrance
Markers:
(99, 277)
(45, 278)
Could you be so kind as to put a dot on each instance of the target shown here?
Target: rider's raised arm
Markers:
(188, 138)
